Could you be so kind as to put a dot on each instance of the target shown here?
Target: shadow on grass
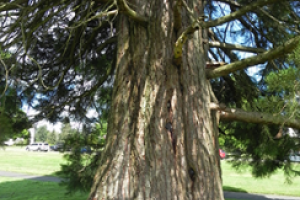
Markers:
(233, 189)
(31, 177)
(48, 188)
(35, 188)
(231, 193)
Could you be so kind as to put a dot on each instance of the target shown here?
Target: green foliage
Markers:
(41, 134)
(66, 132)
(81, 52)
(267, 149)
(81, 167)
(13, 126)
(6, 127)
(4, 55)
(256, 145)
(284, 81)
(52, 137)
(13, 121)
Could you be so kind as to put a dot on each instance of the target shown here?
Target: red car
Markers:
(222, 154)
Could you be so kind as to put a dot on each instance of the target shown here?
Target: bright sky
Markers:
(50, 126)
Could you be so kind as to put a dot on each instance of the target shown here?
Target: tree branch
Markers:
(6, 77)
(236, 114)
(52, 108)
(108, 41)
(197, 23)
(123, 7)
(232, 3)
(183, 38)
(12, 5)
(254, 60)
(98, 16)
(235, 47)
(237, 14)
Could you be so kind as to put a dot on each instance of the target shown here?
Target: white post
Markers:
(32, 133)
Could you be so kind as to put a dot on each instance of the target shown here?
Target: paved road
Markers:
(247, 196)
(233, 195)
(31, 177)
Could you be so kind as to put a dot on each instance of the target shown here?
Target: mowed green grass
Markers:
(244, 182)
(40, 163)
(17, 159)
(21, 189)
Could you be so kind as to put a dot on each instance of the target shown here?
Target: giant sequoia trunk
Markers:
(162, 138)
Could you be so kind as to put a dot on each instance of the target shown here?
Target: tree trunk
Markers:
(162, 136)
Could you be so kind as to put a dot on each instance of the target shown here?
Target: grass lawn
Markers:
(245, 182)
(21, 189)
(16, 159)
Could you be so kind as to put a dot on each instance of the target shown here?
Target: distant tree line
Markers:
(42, 134)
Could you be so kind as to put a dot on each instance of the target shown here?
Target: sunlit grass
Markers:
(17, 159)
(41, 163)
(20, 189)
(244, 182)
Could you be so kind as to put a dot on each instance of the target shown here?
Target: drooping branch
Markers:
(104, 1)
(279, 24)
(236, 114)
(254, 33)
(197, 23)
(6, 78)
(11, 5)
(237, 14)
(90, 92)
(232, 3)
(235, 47)
(123, 7)
(104, 44)
(254, 60)
(259, 11)
(98, 16)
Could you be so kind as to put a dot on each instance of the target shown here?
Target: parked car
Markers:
(56, 147)
(295, 156)
(222, 154)
(85, 150)
(60, 147)
(38, 147)
(43, 147)
(32, 147)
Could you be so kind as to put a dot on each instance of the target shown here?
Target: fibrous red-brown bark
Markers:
(143, 159)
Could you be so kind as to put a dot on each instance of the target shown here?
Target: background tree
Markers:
(80, 168)
(41, 134)
(167, 68)
(52, 137)
(66, 132)
(13, 121)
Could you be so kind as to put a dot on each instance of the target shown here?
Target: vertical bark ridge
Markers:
(202, 153)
